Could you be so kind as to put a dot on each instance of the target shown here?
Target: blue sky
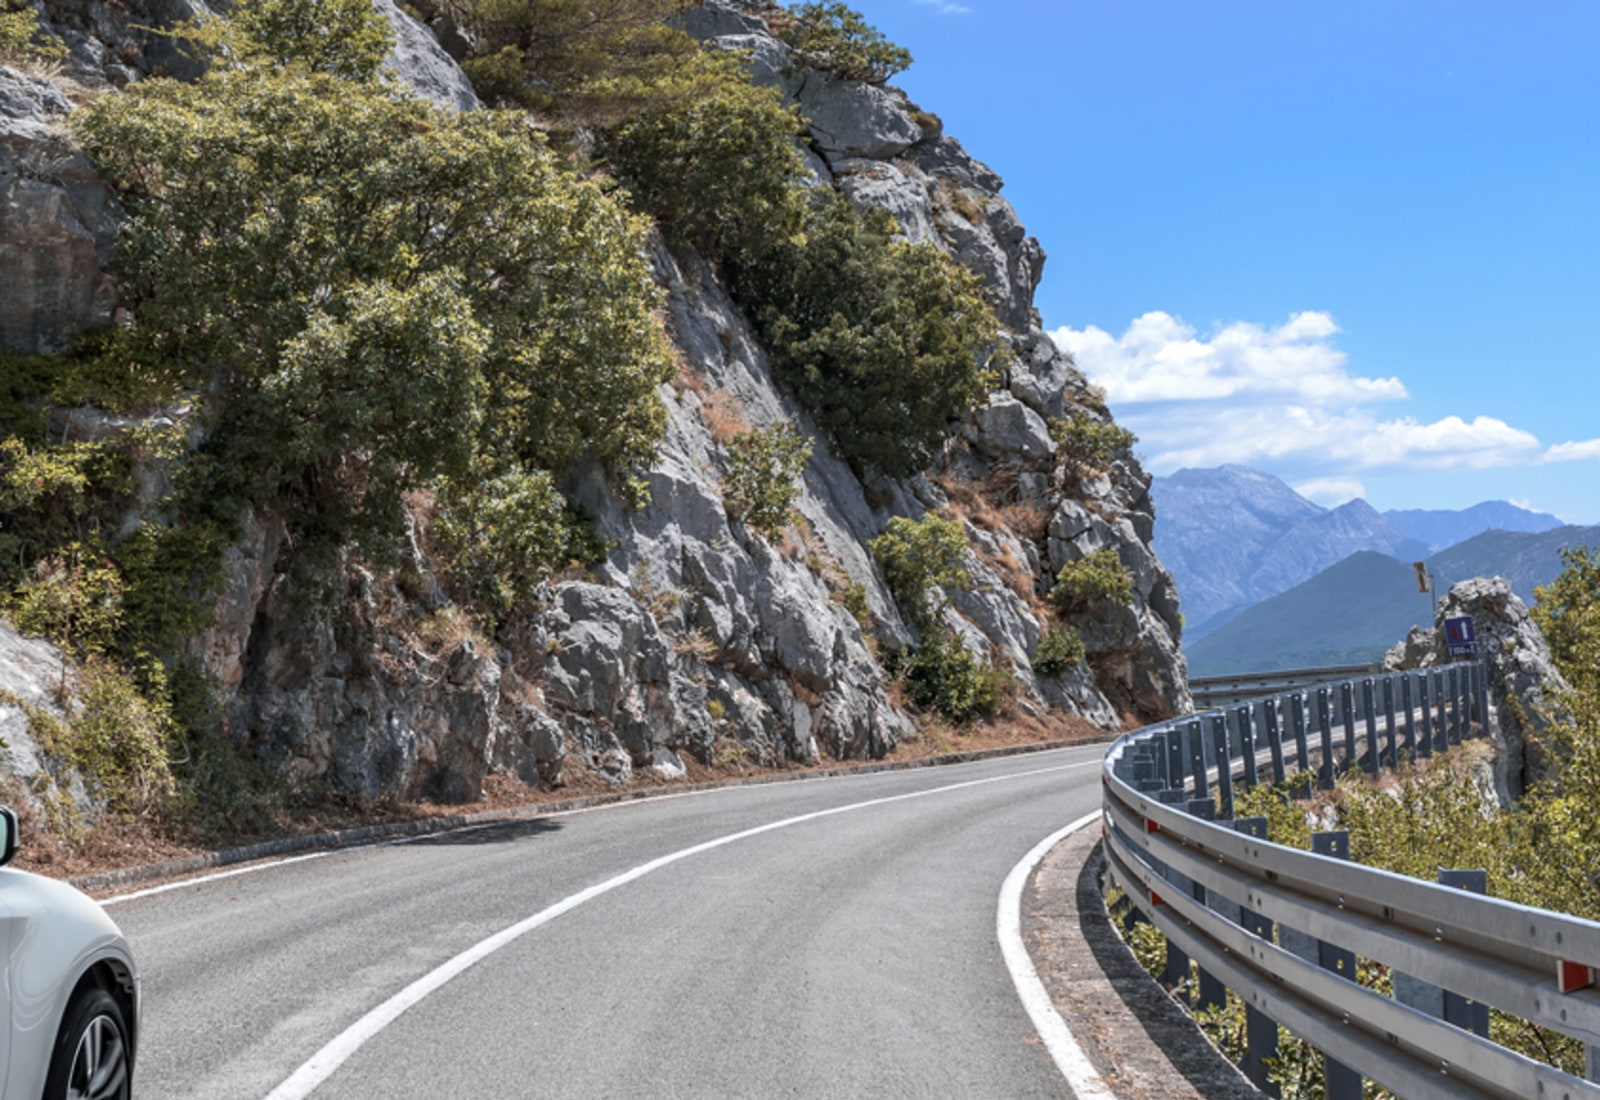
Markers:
(1353, 244)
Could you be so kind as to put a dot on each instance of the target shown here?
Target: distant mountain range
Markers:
(1352, 612)
(1234, 537)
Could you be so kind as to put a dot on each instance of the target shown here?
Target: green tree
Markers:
(835, 38)
(763, 467)
(343, 38)
(719, 171)
(1567, 612)
(21, 37)
(942, 676)
(358, 276)
(884, 341)
(1086, 444)
(588, 62)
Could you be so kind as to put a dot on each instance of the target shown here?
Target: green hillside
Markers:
(1347, 614)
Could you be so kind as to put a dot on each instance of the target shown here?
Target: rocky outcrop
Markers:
(1523, 680)
(698, 638)
(58, 224)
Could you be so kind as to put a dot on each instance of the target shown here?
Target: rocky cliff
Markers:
(696, 636)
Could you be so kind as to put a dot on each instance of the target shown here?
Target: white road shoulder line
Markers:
(322, 1065)
(1082, 1078)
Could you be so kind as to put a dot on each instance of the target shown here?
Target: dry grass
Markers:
(724, 416)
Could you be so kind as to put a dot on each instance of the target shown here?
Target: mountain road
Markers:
(822, 938)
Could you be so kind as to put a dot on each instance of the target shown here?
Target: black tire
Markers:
(92, 1059)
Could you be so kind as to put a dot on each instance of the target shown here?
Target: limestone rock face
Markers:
(58, 224)
(35, 677)
(697, 638)
(421, 63)
(1523, 679)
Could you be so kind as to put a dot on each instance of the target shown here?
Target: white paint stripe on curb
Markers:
(1082, 1078)
(322, 1065)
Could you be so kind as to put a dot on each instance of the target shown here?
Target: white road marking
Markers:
(322, 1065)
(1082, 1078)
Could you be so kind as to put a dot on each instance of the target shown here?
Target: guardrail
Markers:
(1284, 928)
(1219, 691)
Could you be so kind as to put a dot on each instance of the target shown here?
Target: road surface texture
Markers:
(828, 938)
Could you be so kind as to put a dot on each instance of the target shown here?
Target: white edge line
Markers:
(269, 862)
(1082, 1078)
(322, 1065)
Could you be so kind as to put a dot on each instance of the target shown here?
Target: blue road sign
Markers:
(1461, 636)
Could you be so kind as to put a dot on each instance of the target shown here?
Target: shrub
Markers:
(505, 531)
(1058, 650)
(359, 276)
(1086, 444)
(884, 341)
(719, 171)
(21, 37)
(763, 465)
(919, 555)
(121, 736)
(590, 62)
(1567, 613)
(74, 599)
(342, 38)
(1097, 576)
(942, 676)
(835, 38)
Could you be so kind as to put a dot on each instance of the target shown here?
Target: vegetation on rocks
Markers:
(1096, 576)
(1085, 444)
(1059, 648)
(918, 556)
(833, 37)
(942, 676)
(763, 465)
(21, 37)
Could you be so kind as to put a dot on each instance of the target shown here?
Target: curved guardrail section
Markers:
(1284, 928)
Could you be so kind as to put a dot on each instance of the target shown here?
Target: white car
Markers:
(71, 1013)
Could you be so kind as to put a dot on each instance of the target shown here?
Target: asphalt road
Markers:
(849, 953)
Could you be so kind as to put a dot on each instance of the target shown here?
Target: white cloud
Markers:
(1332, 491)
(1573, 452)
(1250, 393)
(1161, 359)
(944, 7)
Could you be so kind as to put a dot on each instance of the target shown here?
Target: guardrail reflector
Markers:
(1151, 826)
(1571, 976)
(1155, 899)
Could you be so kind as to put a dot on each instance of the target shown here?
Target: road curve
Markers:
(828, 938)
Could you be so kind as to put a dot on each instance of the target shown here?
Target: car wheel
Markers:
(91, 1060)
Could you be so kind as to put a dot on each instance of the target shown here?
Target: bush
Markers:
(503, 532)
(74, 599)
(589, 62)
(121, 737)
(919, 555)
(360, 276)
(884, 341)
(835, 38)
(1098, 576)
(763, 465)
(1088, 445)
(942, 676)
(342, 38)
(1567, 613)
(1060, 648)
(21, 36)
(719, 171)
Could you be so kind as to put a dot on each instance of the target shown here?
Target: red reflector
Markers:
(1151, 826)
(1572, 976)
(1155, 899)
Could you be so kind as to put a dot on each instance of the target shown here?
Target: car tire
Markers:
(92, 1059)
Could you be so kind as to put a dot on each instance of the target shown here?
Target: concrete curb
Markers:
(395, 830)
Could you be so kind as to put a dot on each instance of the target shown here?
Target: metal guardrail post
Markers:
(1391, 754)
(1269, 719)
(1372, 759)
(1342, 1082)
(1297, 722)
(1325, 729)
(1347, 719)
(1219, 740)
(1408, 704)
(1426, 997)
(1245, 718)
(1260, 1030)
(1425, 705)
(1197, 759)
(1211, 992)
(1440, 726)
(1176, 972)
(1172, 740)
